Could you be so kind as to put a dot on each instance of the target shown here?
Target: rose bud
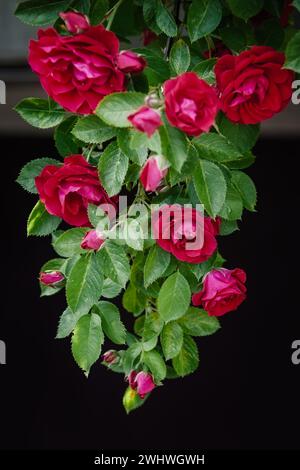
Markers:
(76, 23)
(223, 291)
(130, 62)
(148, 37)
(216, 224)
(146, 120)
(153, 101)
(142, 382)
(51, 278)
(153, 172)
(92, 240)
(110, 357)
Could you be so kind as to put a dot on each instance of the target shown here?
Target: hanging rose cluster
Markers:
(171, 125)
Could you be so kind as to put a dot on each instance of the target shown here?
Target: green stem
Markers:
(112, 14)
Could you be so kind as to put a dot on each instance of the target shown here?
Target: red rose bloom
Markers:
(191, 104)
(184, 232)
(77, 71)
(223, 291)
(67, 190)
(146, 120)
(253, 86)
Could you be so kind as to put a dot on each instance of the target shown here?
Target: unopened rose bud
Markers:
(110, 357)
(131, 400)
(92, 240)
(153, 172)
(51, 278)
(153, 101)
(76, 23)
(142, 382)
(146, 120)
(130, 62)
(148, 37)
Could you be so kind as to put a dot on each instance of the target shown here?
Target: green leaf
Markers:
(156, 365)
(174, 145)
(82, 6)
(131, 400)
(67, 323)
(174, 297)
(165, 20)
(40, 113)
(197, 322)
(210, 186)
(204, 16)
(293, 53)
(84, 284)
(110, 289)
(92, 130)
(131, 355)
(157, 69)
(134, 301)
(98, 218)
(113, 166)
(242, 136)
(180, 57)
(149, 13)
(40, 12)
(228, 227)
(233, 205)
(271, 33)
(111, 322)
(245, 10)
(125, 139)
(234, 38)
(87, 341)
(68, 243)
(153, 325)
(114, 262)
(114, 109)
(31, 170)
(246, 188)
(171, 340)
(205, 70)
(296, 4)
(40, 222)
(217, 148)
(64, 140)
(187, 361)
(97, 11)
(156, 263)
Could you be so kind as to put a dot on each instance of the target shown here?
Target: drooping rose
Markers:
(92, 240)
(76, 23)
(184, 232)
(67, 190)
(153, 172)
(146, 120)
(142, 382)
(130, 62)
(51, 278)
(191, 104)
(77, 71)
(223, 291)
(253, 86)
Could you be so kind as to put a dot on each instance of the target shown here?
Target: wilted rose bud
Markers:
(76, 23)
(142, 382)
(146, 120)
(130, 62)
(153, 172)
(92, 240)
(110, 357)
(51, 278)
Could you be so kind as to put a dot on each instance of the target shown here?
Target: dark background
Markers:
(246, 391)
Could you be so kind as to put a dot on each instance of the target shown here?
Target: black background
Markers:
(246, 392)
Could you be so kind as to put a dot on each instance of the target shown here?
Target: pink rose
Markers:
(191, 104)
(76, 23)
(223, 291)
(92, 240)
(77, 71)
(51, 278)
(153, 172)
(254, 85)
(130, 62)
(146, 120)
(142, 382)
(110, 357)
(67, 190)
(184, 232)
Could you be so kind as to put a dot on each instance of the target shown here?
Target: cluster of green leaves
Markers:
(153, 286)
